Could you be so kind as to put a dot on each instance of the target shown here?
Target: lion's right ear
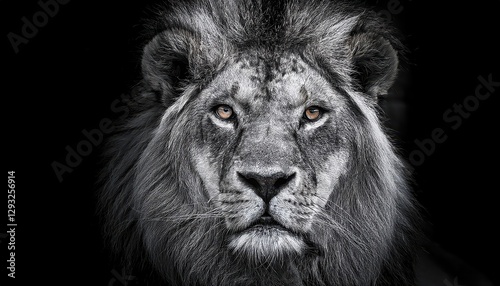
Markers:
(167, 62)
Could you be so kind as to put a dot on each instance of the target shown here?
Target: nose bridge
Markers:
(267, 144)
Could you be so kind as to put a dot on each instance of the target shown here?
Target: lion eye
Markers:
(224, 112)
(312, 113)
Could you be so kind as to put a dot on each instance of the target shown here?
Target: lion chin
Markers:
(266, 242)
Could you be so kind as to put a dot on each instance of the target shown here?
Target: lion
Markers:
(256, 155)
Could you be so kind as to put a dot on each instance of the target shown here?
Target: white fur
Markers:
(335, 166)
(266, 244)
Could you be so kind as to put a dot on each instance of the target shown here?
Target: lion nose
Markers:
(266, 185)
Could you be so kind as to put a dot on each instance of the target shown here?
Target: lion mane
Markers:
(166, 194)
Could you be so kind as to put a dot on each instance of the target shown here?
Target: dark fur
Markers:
(155, 207)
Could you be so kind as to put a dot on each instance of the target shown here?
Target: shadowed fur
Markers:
(267, 196)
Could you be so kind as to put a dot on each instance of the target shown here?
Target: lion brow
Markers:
(304, 94)
(234, 90)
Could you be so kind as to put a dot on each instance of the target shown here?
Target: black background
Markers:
(64, 81)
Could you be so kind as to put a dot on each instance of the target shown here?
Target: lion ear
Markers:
(368, 46)
(375, 62)
(166, 62)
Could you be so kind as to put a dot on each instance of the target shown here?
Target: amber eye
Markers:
(224, 112)
(312, 113)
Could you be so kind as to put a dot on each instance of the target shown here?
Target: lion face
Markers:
(271, 154)
(254, 154)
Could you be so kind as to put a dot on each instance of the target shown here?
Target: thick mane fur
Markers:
(157, 214)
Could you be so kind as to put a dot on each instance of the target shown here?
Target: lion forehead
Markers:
(254, 78)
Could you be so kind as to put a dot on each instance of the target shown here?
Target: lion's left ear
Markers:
(375, 62)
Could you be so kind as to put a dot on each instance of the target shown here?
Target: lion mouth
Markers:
(266, 221)
(266, 240)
